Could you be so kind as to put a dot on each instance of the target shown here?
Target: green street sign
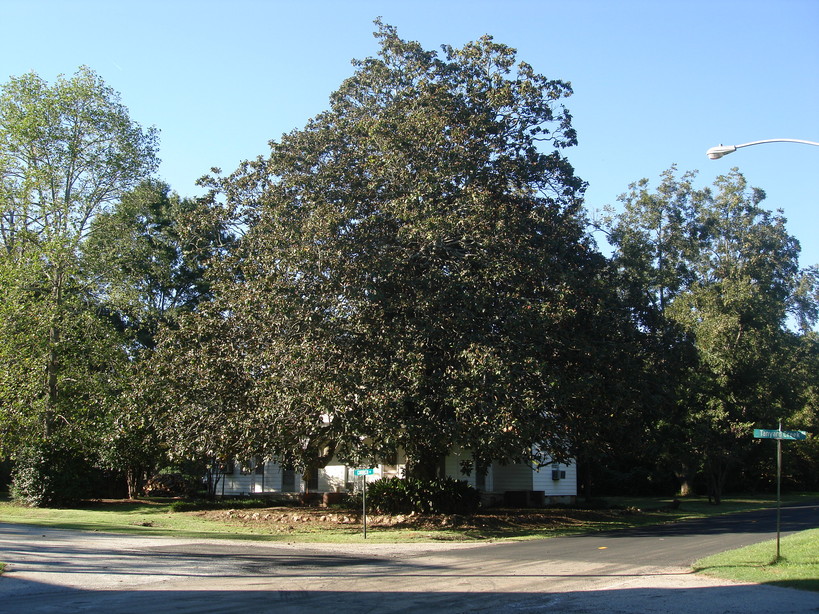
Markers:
(363, 471)
(776, 434)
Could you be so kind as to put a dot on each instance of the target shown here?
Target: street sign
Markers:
(775, 434)
(363, 471)
(779, 435)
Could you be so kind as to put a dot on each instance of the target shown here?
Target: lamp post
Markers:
(717, 152)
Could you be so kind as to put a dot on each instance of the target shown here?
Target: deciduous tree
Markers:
(724, 271)
(67, 151)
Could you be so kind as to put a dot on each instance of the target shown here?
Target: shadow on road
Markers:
(724, 599)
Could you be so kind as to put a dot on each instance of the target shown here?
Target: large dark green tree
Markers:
(147, 256)
(722, 271)
(414, 273)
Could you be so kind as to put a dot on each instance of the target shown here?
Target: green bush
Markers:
(404, 495)
(50, 474)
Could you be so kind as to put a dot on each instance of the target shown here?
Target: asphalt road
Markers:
(644, 570)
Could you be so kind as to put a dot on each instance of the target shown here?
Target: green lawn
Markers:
(156, 518)
(798, 566)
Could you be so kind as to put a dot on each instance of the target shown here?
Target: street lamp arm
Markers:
(723, 150)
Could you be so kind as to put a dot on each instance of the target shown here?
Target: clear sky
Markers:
(656, 82)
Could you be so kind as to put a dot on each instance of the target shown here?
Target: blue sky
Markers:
(656, 82)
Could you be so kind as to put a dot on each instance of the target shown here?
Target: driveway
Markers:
(643, 570)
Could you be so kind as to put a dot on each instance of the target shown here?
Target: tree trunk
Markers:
(52, 365)
(135, 479)
(683, 475)
(717, 473)
(321, 453)
(587, 481)
(213, 476)
(424, 465)
(584, 469)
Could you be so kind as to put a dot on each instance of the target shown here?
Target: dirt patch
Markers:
(489, 521)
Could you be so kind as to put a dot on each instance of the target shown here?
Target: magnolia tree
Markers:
(413, 273)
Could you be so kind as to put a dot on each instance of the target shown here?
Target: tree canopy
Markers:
(410, 271)
(414, 270)
(67, 151)
(723, 271)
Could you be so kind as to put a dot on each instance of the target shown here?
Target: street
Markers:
(643, 570)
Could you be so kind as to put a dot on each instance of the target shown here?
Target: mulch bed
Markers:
(281, 517)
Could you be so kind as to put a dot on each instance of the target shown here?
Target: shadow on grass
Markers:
(762, 574)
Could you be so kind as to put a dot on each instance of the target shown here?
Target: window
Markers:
(288, 480)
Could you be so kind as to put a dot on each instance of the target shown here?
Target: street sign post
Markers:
(779, 435)
(363, 473)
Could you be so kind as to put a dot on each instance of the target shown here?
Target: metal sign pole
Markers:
(778, 490)
(363, 473)
(364, 505)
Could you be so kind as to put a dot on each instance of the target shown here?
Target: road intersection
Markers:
(640, 570)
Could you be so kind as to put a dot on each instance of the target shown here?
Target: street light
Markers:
(716, 153)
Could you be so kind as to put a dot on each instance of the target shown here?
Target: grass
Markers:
(131, 517)
(798, 566)
(156, 517)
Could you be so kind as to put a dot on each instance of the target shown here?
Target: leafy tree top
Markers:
(66, 150)
(414, 273)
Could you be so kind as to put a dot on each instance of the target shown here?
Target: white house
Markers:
(512, 484)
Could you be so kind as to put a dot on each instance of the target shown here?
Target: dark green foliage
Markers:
(150, 258)
(414, 273)
(439, 496)
(50, 474)
(720, 281)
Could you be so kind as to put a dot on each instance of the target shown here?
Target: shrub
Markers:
(50, 474)
(440, 496)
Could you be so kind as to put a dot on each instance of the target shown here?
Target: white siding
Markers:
(332, 478)
(336, 476)
(452, 469)
(270, 481)
(563, 487)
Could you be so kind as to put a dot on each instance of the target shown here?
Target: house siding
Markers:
(512, 477)
(270, 481)
(337, 477)
(563, 487)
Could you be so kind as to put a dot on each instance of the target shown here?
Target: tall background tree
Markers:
(415, 273)
(724, 272)
(67, 151)
(147, 255)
